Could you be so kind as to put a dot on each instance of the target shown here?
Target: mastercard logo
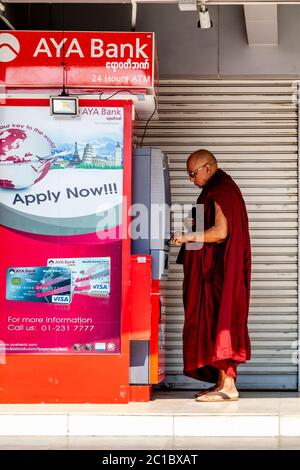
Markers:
(9, 47)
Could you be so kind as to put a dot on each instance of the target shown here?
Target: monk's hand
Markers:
(179, 238)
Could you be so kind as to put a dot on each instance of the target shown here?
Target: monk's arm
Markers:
(217, 233)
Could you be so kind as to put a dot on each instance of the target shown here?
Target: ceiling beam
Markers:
(261, 24)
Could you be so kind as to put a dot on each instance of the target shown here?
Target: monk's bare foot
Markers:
(217, 396)
(224, 392)
(206, 390)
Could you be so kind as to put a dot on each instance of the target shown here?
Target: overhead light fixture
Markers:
(2, 7)
(187, 5)
(192, 5)
(204, 18)
(64, 106)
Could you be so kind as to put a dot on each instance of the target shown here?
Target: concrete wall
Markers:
(237, 58)
(223, 51)
(184, 50)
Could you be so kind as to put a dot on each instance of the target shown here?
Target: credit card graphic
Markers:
(39, 284)
(90, 276)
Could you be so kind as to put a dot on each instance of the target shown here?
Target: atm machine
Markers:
(150, 260)
(151, 187)
(81, 316)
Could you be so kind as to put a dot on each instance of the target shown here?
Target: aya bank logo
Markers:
(9, 47)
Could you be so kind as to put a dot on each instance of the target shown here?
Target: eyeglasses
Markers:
(192, 174)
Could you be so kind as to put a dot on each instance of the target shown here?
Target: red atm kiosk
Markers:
(68, 304)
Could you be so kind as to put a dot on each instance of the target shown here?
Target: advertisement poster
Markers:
(61, 207)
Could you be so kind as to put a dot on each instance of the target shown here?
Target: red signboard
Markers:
(77, 59)
(92, 376)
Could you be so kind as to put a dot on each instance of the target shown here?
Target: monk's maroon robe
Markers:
(216, 287)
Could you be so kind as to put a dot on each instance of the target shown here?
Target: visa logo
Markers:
(60, 299)
(101, 286)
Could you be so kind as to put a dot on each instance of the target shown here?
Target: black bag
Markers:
(179, 259)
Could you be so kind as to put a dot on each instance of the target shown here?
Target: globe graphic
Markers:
(21, 158)
(17, 145)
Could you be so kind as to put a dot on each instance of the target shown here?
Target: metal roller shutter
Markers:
(251, 127)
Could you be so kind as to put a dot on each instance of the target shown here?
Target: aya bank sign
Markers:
(88, 59)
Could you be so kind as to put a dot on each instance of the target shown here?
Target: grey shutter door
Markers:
(251, 127)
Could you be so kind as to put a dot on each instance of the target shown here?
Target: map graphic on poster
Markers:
(61, 188)
(57, 176)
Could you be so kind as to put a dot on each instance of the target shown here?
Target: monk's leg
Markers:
(210, 389)
(227, 382)
(225, 389)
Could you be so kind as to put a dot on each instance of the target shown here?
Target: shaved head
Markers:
(201, 165)
(201, 156)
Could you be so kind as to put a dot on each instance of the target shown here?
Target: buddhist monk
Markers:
(216, 285)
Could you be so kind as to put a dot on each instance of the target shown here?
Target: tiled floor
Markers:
(171, 415)
(179, 402)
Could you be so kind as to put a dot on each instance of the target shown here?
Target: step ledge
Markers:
(202, 425)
